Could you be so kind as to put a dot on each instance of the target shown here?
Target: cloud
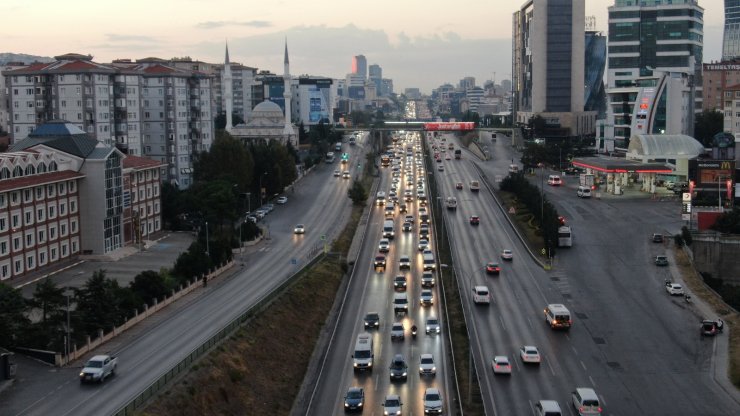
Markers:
(113, 37)
(225, 23)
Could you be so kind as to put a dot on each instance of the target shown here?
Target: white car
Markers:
(530, 354)
(299, 229)
(384, 245)
(432, 326)
(345, 174)
(427, 297)
(432, 401)
(337, 173)
(501, 365)
(423, 245)
(507, 254)
(282, 200)
(404, 262)
(426, 365)
(392, 405)
(674, 289)
(397, 331)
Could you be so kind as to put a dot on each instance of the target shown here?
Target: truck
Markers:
(565, 236)
(458, 153)
(98, 368)
(587, 180)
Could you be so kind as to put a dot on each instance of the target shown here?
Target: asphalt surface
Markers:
(637, 347)
(319, 201)
(372, 291)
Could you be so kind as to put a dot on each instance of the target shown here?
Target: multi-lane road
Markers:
(319, 201)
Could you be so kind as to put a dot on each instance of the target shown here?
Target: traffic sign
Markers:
(543, 251)
(512, 210)
(686, 197)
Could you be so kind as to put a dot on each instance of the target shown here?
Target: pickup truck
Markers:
(98, 368)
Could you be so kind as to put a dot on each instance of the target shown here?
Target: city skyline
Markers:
(407, 39)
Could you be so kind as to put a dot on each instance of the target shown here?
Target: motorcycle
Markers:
(413, 332)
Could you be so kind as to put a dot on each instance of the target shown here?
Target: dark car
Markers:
(354, 400)
(657, 238)
(679, 188)
(399, 282)
(474, 220)
(407, 226)
(493, 268)
(661, 260)
(379, 262)
(399, 368)
(372, 320)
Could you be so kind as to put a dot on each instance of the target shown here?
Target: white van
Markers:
(380, 198)
(586, 401)
(363, 355)
(429, 263)
(558, 316)
(388, 230)
(481, 295)
(583, 191)
(390, 210)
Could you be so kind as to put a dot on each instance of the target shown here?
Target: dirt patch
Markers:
(693, 280)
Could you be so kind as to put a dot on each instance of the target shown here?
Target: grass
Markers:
(523, 222)
(262, 365)
(732, 320)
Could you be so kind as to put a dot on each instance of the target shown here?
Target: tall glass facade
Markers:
(731, 38)
(595, 64)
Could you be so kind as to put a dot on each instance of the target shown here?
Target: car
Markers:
(282, 200)
(427, 297)
(408, 218)
(337, 173)
(345, 174)
(459, 185)
(554, 180)
(260, 213)
(379, 262)
(399, 282)
(398, 368)
(384, 245)
(669, 184)
(586, 402)
(404, 262)
(493, 268)
(474, 220)
(400, 303)
(423, 244)
(657, 238)
(547, 408)
(424, 232)
(427, 279)
(372, 320)
(392, 405)
(354, 400)
(440, 168)
(268, 208)
(680, 188)
(711, 328)
(530, 355)
(501, 365)
(447, 157)
(253, 219)
(432, 401)
(397, 331)
(403, 208)
(407, 226)
(432, 326)
(299, 229)
(426, 365)
(674, 289)
(661, 260)
(507, 254)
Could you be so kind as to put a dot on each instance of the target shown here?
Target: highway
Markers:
(372, 291)
(320, 202)
(639, 349)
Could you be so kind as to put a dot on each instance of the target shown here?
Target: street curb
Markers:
(50, 274)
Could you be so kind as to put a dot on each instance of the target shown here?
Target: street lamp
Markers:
(208, 249)
(67, 339)
(542, 192)
(263, 174)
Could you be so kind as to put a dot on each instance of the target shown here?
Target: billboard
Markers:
(710, 173)
(450, 126)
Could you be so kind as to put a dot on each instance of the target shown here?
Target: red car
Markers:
(493, 268)
(474, 220)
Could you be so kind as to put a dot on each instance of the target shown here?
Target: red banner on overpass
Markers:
(449, 126)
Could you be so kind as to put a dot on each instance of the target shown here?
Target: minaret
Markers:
(227, 93)
(288, 129)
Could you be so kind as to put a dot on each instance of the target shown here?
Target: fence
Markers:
(138, 317)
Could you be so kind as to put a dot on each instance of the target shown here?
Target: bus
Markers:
(329, 157)
(565, 236)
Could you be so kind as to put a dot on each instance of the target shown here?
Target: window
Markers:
(40, 214)
(29, 262)
(15, 197)
(52, 211)
(27, 194)
(15, 220)
(28, 217)
(42, 236)
(63, 229)
(17, 243)
(73, 226)
(4, 247)
(72, 186)
(72, 206)
(39, 192)
(62, 188)
(42, 258)
(29, 239)
(64, 250)
(51, 191)
(53, 253)
(62, 208)
(18, 266)
(5, 271)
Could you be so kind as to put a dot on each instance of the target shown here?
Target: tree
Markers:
(50, 300)
(149, 285)
(219, 123)
(708, 124)
(357, 193)
(98, 304)
(228, 160)
(13, 320)
(537, 125)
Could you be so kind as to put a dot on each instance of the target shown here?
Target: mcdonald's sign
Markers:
(714, 172)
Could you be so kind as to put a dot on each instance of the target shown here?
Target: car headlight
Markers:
(404, 374)
(82, 374)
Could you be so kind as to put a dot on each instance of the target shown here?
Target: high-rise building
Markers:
(145, 108)
(467, 83)
(548, 65)
(314, 100)
(647, 39)
(387, 86)
(359, 66)
(731, 37)
(376, 76)
(595, 93)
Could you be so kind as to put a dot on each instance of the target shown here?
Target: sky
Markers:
(418, 43)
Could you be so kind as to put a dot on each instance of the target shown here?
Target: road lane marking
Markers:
(582, 365)
(501, 318)
(592, 381)
(552, 370)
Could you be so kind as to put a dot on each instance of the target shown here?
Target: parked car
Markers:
(282, 200)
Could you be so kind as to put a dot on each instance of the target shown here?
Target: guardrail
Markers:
(137, 401)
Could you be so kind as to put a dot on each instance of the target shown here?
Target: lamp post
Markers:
(208, 249)
(67, 336)
(249, 202)
(263, 174)
(542, 192)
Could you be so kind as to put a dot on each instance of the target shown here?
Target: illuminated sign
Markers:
(449, 126)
